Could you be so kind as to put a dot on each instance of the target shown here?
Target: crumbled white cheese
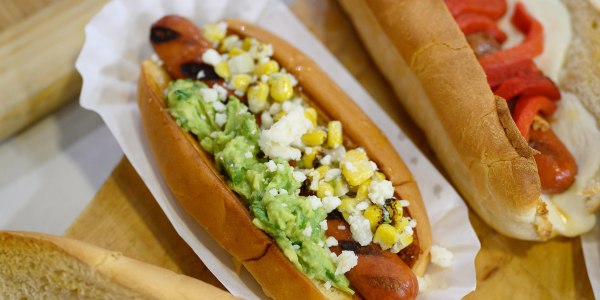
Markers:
(287, 106)
(338, 153)
(362, 205)
(209, 95)
(424, 283)
(273, 192)
(361, 229)
(264, 78)
(213, 134)
(404, 203)
(307, 231)
(275, 142)
(248, 154)
(219, 106)
(296, 247)
(241, 64)
(283, 192)
(271, 166)
(441, 256)
(308, 150)
(323, 225)
(211, 57)
(266, 120)
(408, 230)
(275, 108)
(342, 227)
(332, 174)
(412, 223)
(327, 284)
(299, 176)
(220, 119)
(350, 167)
(221, 91)
(331, 241)
(326, 160)
(346, 261)
(315, 177)
(380, 190)
(200, 74)
(314, 202)
(154, 57)
(331, 203)
(373, 166)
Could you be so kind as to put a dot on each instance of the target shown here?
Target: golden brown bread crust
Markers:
(58, 267)
(191, 174)
(432, 70)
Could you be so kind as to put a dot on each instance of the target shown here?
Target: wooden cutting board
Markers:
(124, 216)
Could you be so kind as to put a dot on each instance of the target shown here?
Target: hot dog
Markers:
(496, 120)
(259, 161)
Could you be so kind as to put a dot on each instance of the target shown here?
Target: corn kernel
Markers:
(374, 214)
(279, 115)
(403, 222)
(340, 186)
(257, 97)
(214, 33)
(308, 159)
(395, 210)
(363, 190)
(356, 167)
(311, 114)
(322, 170)
(405, 240)
(229, 43)
(347, 205)
(386, 236)
(267, 68)
(235, 51)
(325, 190)
(241, 82)
(314, 138)
(281, 88)
(379, 176)
(247, 43)
(334, 130)
(222, 69)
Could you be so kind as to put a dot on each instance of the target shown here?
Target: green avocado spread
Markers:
(271, 194)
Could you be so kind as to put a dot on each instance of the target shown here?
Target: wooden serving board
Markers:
(123, 216)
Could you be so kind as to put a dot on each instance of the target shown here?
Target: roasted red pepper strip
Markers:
(498, 73)
(532, 45)
(556, 165)
(526, 109)
(528, 86)
(493, 9)
(472, 23)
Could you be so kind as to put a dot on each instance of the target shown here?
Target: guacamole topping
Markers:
(271, 194)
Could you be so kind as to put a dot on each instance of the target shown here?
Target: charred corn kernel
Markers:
(334, 134)
(279, 115)
(281, 88)
(403, 222)
(374, 214)
(311, 114)
(325, 190)
(395, 210)
(405, 240)
(222, 69)
(363, 190)
(308, 159)
(386, 236)
(235, 51)
(214, 32)
(267, 68)
(322, 170)
(247, 43)
(356, 167)
(347, 205)
(257, 96)
(241, 82)
(379, 176)
(314, 138)
(340, 186)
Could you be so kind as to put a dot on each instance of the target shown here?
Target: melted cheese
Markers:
(574, 125)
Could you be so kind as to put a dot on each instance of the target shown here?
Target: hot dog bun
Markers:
(191, 175)
(440, 82)
(36, 266)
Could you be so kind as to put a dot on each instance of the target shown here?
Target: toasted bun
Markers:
(39, 266)
(191, 175)
(432, 70)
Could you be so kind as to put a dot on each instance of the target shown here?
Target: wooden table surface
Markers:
(123, 216)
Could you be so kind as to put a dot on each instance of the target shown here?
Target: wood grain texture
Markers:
(37, 58)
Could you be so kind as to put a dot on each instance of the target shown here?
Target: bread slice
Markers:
(40, 266)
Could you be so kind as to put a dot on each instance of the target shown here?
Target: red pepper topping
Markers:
(526, 109)
(493, 9)
(473, 23)
(528, 85)
(532, 45)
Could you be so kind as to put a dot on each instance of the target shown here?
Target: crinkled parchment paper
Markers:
(117, 42)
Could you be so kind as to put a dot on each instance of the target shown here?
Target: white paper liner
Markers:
(591, 252)
(117, 40)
